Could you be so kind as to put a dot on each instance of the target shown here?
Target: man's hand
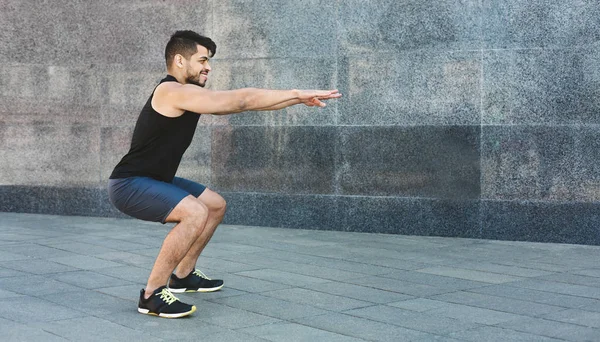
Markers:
(313, 98)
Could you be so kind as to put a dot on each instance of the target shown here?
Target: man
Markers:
(143, 184)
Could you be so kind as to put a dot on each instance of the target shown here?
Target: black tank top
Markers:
(158, 143)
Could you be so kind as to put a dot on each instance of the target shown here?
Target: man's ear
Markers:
(179, 60)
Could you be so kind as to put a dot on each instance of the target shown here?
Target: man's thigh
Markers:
(212, 200)
(145, 198)
(193, 188)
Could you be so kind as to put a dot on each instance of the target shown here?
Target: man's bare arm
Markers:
(175, 98)
(275, 107)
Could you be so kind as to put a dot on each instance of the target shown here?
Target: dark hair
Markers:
(185, 43)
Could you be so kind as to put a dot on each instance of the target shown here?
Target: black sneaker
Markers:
(194, 282)
(163, 303)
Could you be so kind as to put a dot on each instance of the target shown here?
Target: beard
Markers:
(195, 79)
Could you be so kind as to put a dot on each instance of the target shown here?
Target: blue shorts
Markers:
(149, 199)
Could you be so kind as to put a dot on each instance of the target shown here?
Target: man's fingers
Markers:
(332, 94)
(317, 102)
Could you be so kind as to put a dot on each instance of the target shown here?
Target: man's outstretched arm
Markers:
(196, 99)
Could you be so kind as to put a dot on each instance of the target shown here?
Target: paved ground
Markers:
(78, 278)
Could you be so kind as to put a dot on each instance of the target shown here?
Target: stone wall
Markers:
(466, 118)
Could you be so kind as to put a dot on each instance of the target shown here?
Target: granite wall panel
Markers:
(282, 210)
(541, 163)
(275, 28)
(81, 201)
(418, 161)
(568, 222)
(411, 88)
(67, 32)
(541, 86)
(409, 216)
(289, 159)
(392, 26)
(50, 155)
(540, 23)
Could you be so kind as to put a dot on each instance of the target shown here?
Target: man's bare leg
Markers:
(192, 216)
(216, 210)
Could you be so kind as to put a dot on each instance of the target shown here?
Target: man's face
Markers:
(197, 67)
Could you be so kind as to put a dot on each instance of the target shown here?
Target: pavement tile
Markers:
(393, 263)
(129, 273)
(296, 332)
(515, 306)
(231, 336)
(8, 256)
(574, 279)
(510, 270)
(344, 265)
(537, 296)
(85, 262)
(187, 329)
(31, 309)
(362, 293)
(282, 277)
(37, 266)
(494, 334)
(225, 265)
(548, 328)
(36, 285)
(128, 258)
(418, 304)
(223, 293)
(593, 306)
(127, 292)
(233, 247)
(561, 288)
(269, 306)
(399, 286)
(541, 266)
(437, 338)
(461, 273)
(16, 237)
(361, 328)
(434, 280)
(576, 316)
(590, 272)
(472, 314)
(90, 302)
(13, 331)
(95, 329)
(412, 320)
(317, 299)
(248, 284)
(34, 250)
(114, 244)
(232, 318)
(7, 272)
(8, 294)
(79, 247)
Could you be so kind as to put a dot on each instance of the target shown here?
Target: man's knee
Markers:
(198, 214)
(190, 210)
(221, 205)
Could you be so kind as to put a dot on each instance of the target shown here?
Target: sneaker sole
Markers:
(212, 289)
(164, 315)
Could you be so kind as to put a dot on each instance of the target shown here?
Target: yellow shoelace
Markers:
(167, 296)
(201, 275)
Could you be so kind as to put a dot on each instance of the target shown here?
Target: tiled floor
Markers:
(78, 278)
